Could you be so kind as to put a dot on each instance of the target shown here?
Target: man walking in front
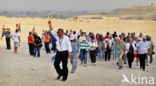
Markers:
(64, 50)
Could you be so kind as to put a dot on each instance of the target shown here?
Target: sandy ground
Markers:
(23, 70)
(88, 25)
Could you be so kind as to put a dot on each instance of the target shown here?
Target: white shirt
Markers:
(135, 43)
(73, 36)
(43, 38)
(140, 38)
(128, 46)
(62, 44)
(95, 45)
(110, 42)
(78, 33)
(16, 35)
(150, 43)
(143, 47)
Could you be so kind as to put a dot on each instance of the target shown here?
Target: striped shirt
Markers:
(85, 45)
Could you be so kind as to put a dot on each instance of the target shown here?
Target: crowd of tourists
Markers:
(123, 47)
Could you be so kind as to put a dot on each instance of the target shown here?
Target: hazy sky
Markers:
(105, 5)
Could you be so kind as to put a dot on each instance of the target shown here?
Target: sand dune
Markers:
(135, 13)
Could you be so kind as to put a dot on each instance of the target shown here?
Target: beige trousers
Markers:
(120, 54)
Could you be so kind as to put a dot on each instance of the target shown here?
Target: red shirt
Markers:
(106, 37)
(47, 38)
(31, 39)
(3, 29)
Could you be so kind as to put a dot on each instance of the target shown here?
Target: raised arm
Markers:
(51, 29)
(50, 25)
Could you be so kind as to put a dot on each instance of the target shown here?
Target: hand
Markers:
(69, 55)
(92, 47)
(49, 22)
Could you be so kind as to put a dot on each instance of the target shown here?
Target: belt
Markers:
(62, 51)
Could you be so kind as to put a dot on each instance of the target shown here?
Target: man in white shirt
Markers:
(16, 38)
(142, 51)
(64, 50)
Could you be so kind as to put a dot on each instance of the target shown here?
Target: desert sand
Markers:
(23, 70)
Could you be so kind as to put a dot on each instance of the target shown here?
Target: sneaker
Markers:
(120, 67)
(63, 80)
(117, 64)
(59, 76)
(72, 72)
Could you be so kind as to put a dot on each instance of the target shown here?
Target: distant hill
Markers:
(136, 12)
(44, 14)
(130, 13)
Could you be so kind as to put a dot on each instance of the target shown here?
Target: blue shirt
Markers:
(53, 39)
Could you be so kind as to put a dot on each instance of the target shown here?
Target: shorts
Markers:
(16, 44)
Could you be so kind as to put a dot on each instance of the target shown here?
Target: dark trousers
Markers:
(31, 49)
(8, 43)
(93, 56)
(61, 57)
(130, 58)
(142, 58)
(53, 47)
(151, 58)
(107, 55)
(47, 47)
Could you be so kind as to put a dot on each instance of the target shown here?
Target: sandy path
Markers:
(24, 70)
